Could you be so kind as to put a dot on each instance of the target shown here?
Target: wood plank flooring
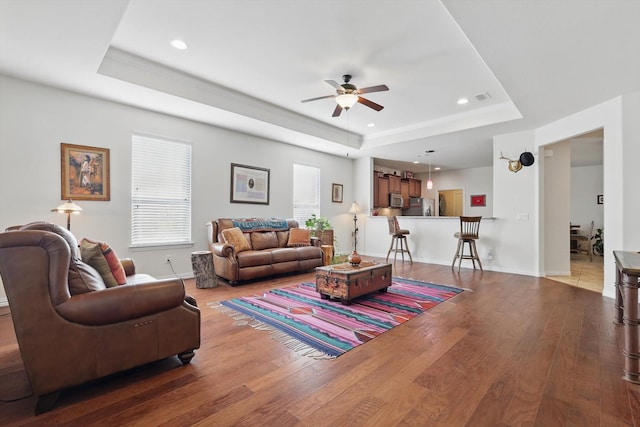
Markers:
(512, 351)
(585, 273)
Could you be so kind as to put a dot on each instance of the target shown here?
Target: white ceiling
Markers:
(250, 63)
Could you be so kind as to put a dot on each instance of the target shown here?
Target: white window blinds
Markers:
(306, 192)
(160, 192)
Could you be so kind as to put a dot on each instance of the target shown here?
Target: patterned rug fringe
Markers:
(288, 341)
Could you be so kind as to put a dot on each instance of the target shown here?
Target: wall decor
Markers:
(249, 184)
(479, 200)
(336, 193)
(84, 172)
(600, 199)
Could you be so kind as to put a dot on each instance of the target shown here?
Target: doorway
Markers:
(450, 202)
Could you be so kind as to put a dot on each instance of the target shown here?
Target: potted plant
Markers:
(598, 242)
(320, 227)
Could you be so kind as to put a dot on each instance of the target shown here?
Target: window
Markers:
(160, 192)
(306, 192)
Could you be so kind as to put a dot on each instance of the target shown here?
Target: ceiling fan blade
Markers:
(370, 104)
(320, 97)
(379, 88)
(333, 83)
(337, 111)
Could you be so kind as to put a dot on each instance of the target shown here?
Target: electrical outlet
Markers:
(490, 254)
(167, 259)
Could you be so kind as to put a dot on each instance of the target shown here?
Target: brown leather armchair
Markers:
(67, 339)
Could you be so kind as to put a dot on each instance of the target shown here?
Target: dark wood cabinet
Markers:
(381, 192)
(394, 183)
(415, 187)
(404, 190)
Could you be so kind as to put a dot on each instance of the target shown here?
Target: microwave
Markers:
(395, 200)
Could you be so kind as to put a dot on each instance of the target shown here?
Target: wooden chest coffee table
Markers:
(347, 282)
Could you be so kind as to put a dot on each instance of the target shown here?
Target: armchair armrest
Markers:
(129, 266)
(224, 250)
(122, 303)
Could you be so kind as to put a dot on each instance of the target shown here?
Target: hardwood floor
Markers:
(512, 351)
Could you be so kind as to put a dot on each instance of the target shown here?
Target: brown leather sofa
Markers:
(68, 338)
(269, 252)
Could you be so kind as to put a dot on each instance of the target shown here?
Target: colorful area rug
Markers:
(299, 318)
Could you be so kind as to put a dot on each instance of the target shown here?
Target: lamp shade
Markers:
(346, 100)
(354, 208)
(68, 207)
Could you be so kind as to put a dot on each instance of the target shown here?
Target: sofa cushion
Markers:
(235, 237)
(299, 237)
(264, 240)
(254, 258)
(284, 254)
(283, 238)
(309, 252)
(92, 255)
(83, 278)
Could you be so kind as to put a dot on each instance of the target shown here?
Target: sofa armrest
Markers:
(224, 250)
(123, 303)
(129, 266)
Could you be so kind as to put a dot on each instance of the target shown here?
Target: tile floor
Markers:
(584, 273)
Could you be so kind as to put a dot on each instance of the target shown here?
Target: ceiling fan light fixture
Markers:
(346, 100)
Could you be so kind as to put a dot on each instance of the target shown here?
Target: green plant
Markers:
(318, 223)
(598, 242)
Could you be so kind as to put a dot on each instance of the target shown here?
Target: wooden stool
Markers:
(203, 271)
(399, 238)
(469, 226)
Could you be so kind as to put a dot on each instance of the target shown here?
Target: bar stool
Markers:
(469, 226)
(399, 238)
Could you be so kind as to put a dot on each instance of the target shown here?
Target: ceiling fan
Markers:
(347, 95)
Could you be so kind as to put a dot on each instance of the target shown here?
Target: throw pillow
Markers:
(235, 237)
(115, 267)
(299, 237)
(92, 255)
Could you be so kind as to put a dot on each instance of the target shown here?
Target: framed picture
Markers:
(249, 184)
(479, 200)
(600, 199)
(84, 172)
(336, 193)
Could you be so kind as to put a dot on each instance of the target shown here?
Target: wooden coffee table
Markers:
(347, 282)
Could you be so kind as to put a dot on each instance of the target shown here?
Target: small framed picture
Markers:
(479, 200)
(600, 199)
(336, 193)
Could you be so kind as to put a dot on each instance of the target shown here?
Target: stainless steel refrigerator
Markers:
(416, 207)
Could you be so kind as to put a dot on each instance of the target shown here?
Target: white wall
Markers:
(586, 185)
(35, 119)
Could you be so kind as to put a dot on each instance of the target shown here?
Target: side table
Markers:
(626, 310)
(203, 271)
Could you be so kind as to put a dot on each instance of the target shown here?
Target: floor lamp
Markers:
(69, 208)
(355, 258)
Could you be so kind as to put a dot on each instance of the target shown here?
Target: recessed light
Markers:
(462, 101)
(437, 168)
(415, 161)
(371, 125)
(178, 44)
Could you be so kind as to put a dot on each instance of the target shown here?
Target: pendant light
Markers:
(429, 182)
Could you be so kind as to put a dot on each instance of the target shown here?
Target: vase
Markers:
(354, 259)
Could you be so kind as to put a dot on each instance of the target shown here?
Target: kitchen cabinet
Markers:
(394, 183)
(415, 187)
(381, 192)
(404, 190)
